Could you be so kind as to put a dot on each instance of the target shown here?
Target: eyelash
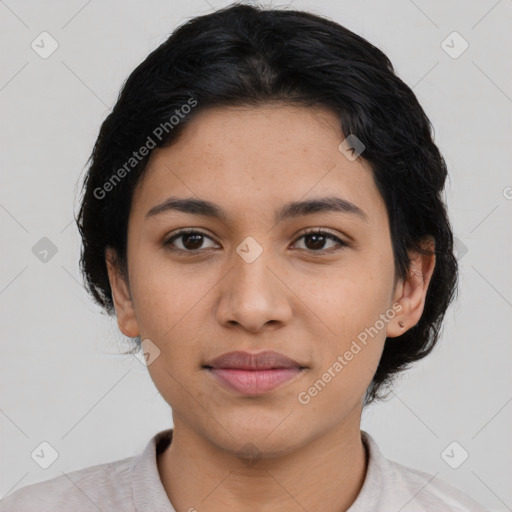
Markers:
(312, 231)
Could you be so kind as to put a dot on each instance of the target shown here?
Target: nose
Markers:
(254, 296)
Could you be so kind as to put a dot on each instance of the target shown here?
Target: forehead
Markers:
(251, 160)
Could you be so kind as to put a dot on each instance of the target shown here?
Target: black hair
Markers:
(248, 55)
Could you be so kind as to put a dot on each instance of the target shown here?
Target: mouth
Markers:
(253, 374)
(253, 382)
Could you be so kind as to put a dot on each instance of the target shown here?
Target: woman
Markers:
(263, 214)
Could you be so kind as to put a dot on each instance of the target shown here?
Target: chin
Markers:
(263, 439)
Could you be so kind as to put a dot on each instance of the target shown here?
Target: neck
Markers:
(325, 474)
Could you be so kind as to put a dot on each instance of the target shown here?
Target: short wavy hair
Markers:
(250, 55)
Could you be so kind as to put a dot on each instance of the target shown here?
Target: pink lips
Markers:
(253, 374)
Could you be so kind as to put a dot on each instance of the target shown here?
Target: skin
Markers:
(304, 299)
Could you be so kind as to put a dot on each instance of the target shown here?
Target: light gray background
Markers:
(61, 380)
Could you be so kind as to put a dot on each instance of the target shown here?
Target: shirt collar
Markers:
(370, 494)
(145, 476)
(148, 491)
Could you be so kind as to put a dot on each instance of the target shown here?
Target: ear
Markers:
(412, 291)
(125, 313)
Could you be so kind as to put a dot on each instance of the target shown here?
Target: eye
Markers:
(192, 241)
(318, 238)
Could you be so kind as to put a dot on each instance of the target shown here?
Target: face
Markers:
(254, 281)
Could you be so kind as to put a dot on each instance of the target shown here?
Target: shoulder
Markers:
(83, 490)
(397, 487)
(430, 492)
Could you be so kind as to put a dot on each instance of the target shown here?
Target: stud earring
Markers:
(401, 324)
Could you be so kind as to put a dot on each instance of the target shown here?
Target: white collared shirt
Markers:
(133, 485)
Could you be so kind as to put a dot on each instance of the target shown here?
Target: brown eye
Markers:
(315, 240)
(191, 241)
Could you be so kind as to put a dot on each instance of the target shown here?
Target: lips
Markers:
(253, 374)
(266, 360)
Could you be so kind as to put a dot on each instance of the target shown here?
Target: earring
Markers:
(401, 324)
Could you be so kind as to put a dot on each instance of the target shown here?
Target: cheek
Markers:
(170, 313)
(355, 308)
(347, 298)
(166, 295)
(348, 356)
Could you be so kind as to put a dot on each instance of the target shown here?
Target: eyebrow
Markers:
(293, 209)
